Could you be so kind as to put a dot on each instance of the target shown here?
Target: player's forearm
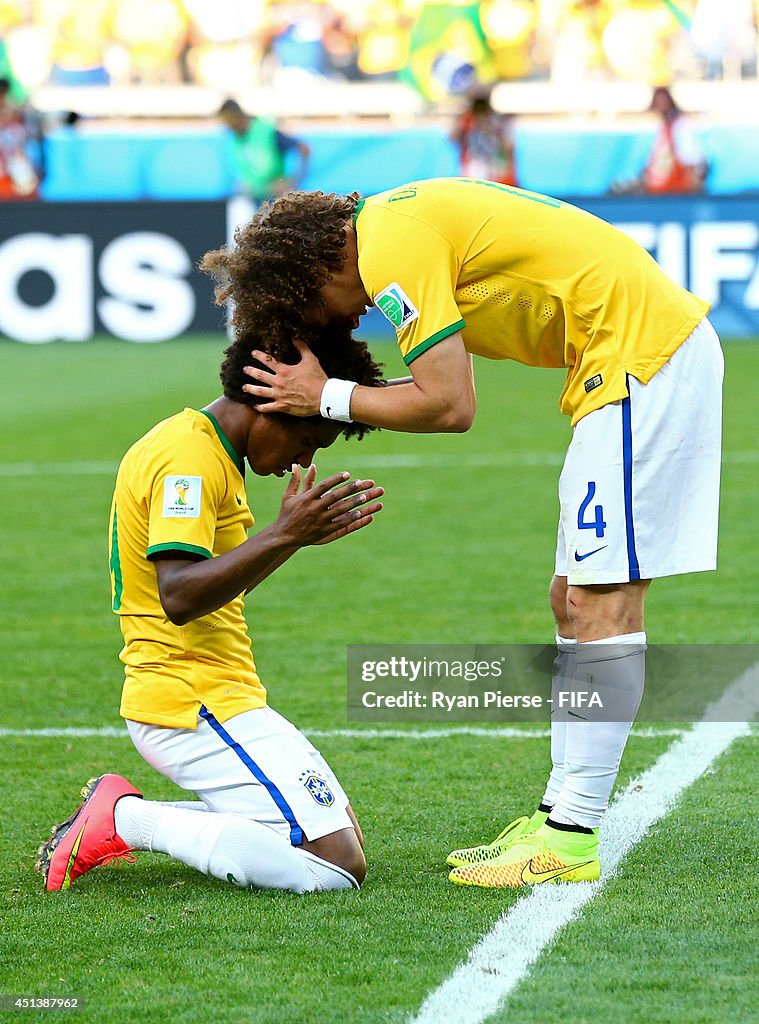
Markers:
(190, 590)
(407, 407)
(314, 513)
(272, 568)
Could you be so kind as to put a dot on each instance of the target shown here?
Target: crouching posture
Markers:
(270, 812)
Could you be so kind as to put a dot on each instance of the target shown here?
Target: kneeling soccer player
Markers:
(271, 813)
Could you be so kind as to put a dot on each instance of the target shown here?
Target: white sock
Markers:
(226, 846)
(189, 805)
(136, 819)
(563, 670)
(594, 747)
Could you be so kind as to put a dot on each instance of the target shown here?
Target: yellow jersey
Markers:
(180, 488)
(523, 277)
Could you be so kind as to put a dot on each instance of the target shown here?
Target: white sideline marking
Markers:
(502, 958)
(363, 462)
(58, 468)
(504, 732)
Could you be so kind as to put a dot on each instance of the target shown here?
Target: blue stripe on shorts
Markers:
(296, 832)
(627, 468)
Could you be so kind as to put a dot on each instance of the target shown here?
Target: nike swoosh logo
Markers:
(581, 558)
(66, 884)
(239, 500)
(530, 877)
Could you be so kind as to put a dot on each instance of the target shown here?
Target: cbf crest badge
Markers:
(318, 788)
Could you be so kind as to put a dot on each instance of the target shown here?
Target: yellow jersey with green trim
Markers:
(180, 488)
(524, 277)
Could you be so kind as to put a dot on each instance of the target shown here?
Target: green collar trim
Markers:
(227, 444)
(359, 208)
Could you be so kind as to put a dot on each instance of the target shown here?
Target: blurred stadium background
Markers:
(123, 174)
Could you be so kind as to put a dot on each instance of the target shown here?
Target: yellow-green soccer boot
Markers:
(548, 855)
(515, 830)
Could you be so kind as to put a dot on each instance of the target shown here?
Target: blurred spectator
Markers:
(509, 27)
(78, 30)
(724, 37)
(676, 163)
(383, 41)
(25, 49)
(341, 49)
(261, 153)
(485, 140)
(19, 178)
(226, 40)
(296, 37)
(646, 40)
(152, 34)
(578, 50)
(15, 92)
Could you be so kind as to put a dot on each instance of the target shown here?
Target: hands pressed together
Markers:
(318, 513)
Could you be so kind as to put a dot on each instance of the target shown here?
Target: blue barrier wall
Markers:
(198, 165)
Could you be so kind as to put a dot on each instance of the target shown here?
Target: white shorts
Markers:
(256, 764)
(639, 490)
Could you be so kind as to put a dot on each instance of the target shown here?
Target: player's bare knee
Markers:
(343, 849)
(353, 861)
(356, 865)
(600, 611)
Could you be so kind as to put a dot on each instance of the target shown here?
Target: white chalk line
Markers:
(498, 733)
(19, 469)
(364, 462)
(503, 957)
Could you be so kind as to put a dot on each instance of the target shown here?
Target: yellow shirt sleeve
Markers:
(184, 493)
(409, 270)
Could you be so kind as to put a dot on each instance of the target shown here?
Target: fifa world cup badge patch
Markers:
(318, 788)
(181, 497)
(396, 306)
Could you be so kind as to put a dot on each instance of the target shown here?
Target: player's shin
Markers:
(563, 670)
(229, 847)
(614, 669)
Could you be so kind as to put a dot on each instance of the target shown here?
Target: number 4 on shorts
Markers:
(597, 523)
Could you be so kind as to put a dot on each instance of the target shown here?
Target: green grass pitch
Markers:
(462, 553)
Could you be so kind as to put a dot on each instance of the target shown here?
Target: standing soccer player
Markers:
(271, 813)
(464, 267)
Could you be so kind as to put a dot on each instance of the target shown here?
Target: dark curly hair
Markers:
(338, 352)
(278, 263)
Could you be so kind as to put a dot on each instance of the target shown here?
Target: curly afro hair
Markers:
(279, 262)
(338, 352)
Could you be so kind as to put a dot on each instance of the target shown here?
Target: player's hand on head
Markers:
(318, 513)
(294, 389)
